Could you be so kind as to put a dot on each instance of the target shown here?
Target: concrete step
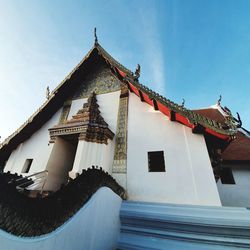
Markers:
(167, 226)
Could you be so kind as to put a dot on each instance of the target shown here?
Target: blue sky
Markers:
(188, 49)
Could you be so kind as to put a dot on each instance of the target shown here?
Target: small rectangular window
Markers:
(227, 176)
(27, 165)
(156, 161)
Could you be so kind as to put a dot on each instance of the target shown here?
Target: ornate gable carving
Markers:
(88, 124)
(102, 81)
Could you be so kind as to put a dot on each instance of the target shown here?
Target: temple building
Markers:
(102, 127)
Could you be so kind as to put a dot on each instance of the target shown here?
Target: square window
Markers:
(27, 165)
(227, 176)
(156, 161)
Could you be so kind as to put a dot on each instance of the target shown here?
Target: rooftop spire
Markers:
(96, 39)
(219, 100)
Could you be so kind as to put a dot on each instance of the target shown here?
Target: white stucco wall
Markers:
(93, 154)
(36, 148)
(188, 178)
(238, 194)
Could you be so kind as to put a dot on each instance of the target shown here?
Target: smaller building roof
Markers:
(212, 113)
(239, 148)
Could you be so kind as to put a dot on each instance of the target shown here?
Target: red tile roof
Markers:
(239, 148)
(211, 113)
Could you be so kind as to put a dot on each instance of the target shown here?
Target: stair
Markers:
(167, 226)
(34, 181)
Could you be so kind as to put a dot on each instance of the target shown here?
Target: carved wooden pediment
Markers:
(87, 123)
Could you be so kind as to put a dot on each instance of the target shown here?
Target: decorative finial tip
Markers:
(47, 93)
(219, 100)
(137, 72)
(239, 120)
(96, 39)
(183, 102)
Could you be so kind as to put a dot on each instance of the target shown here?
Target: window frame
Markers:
(153, 162)
(26, 166)
(227, 177)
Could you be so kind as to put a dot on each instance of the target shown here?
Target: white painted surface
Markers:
(36, 148)
(109, 105)
(75, 106)
(188, 178)
(96, 226)
(200, 166)
(93, 154)
(238, 194)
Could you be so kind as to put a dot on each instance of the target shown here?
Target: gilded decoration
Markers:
(101, 82)
(87, 124)
(120, 155)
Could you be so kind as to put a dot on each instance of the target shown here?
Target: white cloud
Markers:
(149, 30)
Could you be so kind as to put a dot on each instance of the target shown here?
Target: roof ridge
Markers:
(191, 115)
(115, 62)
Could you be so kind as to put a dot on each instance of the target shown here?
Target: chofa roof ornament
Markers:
(239, 120)
(96, 39)
(47, 93)
(183, 102)
(137, 72)
(219, 100)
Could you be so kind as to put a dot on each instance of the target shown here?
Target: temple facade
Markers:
(107, 163)
(158, 151)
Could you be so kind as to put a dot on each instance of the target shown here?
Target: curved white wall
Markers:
(96, 226)
(188, 178)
